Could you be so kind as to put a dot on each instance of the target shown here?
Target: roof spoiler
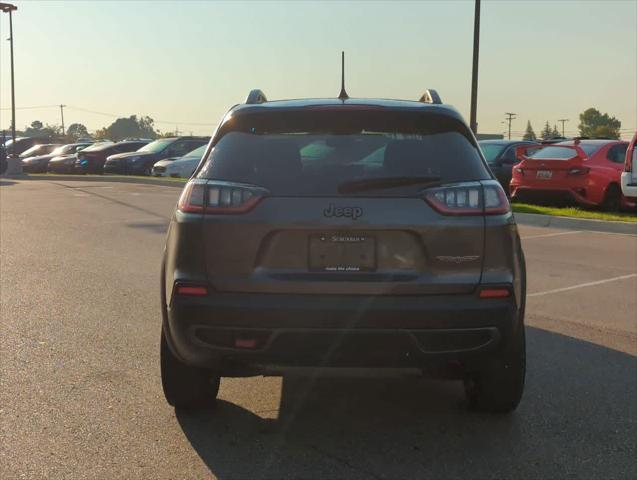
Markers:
(430, 96)
(256, 96)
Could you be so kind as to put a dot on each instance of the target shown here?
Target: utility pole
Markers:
(510, 118)
(62, 113)
(474, 74)
(7, 7)
(563, 120)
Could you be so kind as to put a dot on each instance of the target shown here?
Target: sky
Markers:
(184, 63)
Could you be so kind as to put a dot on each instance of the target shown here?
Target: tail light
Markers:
(519, 170)
(577, 171)
(487, 198)
(211, 197)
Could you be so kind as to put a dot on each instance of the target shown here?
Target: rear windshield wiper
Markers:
(378, 183)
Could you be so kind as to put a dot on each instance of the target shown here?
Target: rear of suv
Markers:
(345, 233)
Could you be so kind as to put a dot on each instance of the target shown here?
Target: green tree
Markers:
(131, 127)
(37, 129)
(529, 134)
(546, 132)
(77, 130)
(101, 134)
(555, 133)
(595, 124)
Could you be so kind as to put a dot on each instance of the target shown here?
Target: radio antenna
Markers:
(343, 95)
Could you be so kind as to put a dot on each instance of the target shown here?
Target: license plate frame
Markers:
(544, 174)
(342, 253)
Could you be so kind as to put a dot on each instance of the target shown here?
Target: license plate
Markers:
(544, 174)
(338, 252)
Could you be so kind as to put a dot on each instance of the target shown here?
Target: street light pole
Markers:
(474, 74)
(7, 7)
(62, 113)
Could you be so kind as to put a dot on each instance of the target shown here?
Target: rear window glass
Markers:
(559, 153)
(312, 152)
(197, 152)
(98, 146)
(39, 150)
(491, 150)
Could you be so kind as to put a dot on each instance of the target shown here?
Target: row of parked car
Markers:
(175, 157)
(588, 172)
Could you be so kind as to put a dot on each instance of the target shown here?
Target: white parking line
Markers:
(582, 285)
(555, 234)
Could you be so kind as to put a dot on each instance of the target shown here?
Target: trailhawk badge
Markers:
(349, 212)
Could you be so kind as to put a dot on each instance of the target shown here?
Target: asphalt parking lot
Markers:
(80, 395)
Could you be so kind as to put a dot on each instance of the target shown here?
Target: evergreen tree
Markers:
(555, 132)
(529, 134)
(546, 132)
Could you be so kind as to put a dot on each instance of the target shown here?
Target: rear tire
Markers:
(612, 198)
(184, 386)
(498, 386)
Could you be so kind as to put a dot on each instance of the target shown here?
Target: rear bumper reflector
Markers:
(193, 291)
(494, 293)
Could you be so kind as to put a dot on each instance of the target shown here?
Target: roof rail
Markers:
(430, 96)
(256, 96)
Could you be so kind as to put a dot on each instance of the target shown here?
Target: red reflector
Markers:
(245, 342)
(494, 293)
(192, 291)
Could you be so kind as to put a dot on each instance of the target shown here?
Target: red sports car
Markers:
(585, 171)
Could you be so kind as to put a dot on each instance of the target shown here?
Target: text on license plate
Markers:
(545, 174)
(342, 253)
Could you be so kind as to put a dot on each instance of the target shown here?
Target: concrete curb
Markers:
(104, 178)
(570, 223)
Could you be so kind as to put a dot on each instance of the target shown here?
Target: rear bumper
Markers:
(239, 333)
(550, 195)
(629, 186)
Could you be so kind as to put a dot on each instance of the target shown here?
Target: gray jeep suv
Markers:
(343, 233)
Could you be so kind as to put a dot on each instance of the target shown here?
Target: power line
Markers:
(172, 122)
(31, 108)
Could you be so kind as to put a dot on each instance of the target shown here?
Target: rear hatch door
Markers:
(308, 236)
(551, 164)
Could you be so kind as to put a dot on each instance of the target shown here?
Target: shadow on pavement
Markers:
(6, 183)
(161, 228)
(577, 419)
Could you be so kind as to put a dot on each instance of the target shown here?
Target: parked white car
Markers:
(629, 175)
(182, 167)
